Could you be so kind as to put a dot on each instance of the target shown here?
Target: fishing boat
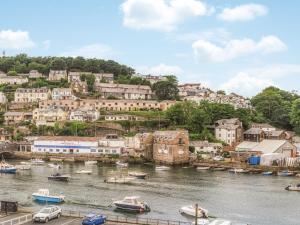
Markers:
(59, 177)
(138, 175)
(43, 195)
(191, 211)
(203, 168)
(23, 167)
(162, 168)
(218, 168)
(293, 187)
(285, 173)
(119, 180)
(132, 204)
(54, 166)
(7, 168)
(267, 173)
(121, 164)
(84, 172)
(238, 170)
(37, 161)
(90, 162)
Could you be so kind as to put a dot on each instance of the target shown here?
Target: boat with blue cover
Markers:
(7, 168)
(43, 195)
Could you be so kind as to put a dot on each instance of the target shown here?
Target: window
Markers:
(57, 150)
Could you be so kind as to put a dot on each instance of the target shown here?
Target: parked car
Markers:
(93, 219)
(47, 213)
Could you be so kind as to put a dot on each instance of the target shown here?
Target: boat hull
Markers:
(47, 199)
(8, 170)
(59, 178)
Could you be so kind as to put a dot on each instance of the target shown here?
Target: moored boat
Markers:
(203, 168)
(90, 162)
(162, 168)
(285, 173)
(7, 168)
(37, 161)
(138, 175)
(121, 164)
(59, 177)
(23, 167)
(119, 180)
(84, 172)
(132, 204)
(191, 211)
(238, 170)
(293, 187)
(54, 166)
(218, 168)
(43, 195)
(220, 222)
(267, 173)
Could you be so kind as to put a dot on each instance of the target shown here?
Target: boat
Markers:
(191, 211)
(7, 168)
(162, 168)
(218, 158)
(138, 175)
(293, 187)
(121, 164)
(23, 167)
(203, 168)
(218, 168)
(201, 221)
(59, 177)
(90, 163)
(220, 222)
(37, 161)
(25, 163)
(54, 166)
(43, 195)
(285, 173)
(84, 172)
(132, 204)
(267, 173)
(119, 180)
(298, 175)
(238, 170)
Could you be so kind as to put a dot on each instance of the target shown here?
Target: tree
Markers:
(58, 64)
(78, 63)
(90, 80)
(12, 73)
(221, 92)
(295, 115)
(166, 90)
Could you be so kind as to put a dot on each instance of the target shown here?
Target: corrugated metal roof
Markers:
(246, 146)
(269, 146)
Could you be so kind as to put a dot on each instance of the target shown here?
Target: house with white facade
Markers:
(26, 95)
(112, 144)
(206, 147)
(84, 115)
(49, 116)
(3, 99)
(62, 94)
(229, 131)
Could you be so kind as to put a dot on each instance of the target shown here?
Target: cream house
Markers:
(62, 94)
(26, 95)
(13, 80)
(57, 75)
(84, 115)
(49, 116)
(3, 98)
(229, 130)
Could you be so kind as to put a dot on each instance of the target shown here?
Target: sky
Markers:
(239, 46)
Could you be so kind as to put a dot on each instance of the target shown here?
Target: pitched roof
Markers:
(66, 138)
(269, 146)
(253, 131)
(246, 146)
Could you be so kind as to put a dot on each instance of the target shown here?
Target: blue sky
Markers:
(235, 45)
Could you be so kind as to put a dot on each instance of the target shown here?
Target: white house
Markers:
(112, 144)
(205, 146)
(229, 130)
(62, 94)
(84, 115)
(3, 98)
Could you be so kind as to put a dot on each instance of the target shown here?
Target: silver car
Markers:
(47, 213)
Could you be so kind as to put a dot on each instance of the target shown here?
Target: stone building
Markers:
(5, 135)
(12, 117)
(229, 131)
(79, 87)
(171, 147)
(84, 115)
(49, 116)
(13, 80)
(26, 95)
(33, 74)
(57, 75)
(107, 77)
(206, 147)
(124, 91)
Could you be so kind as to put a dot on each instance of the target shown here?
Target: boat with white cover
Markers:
(37, 161)
(238, 170)
(54, 166)
(203, 168)
(90, 162)
(119, 180)
(220, 222)
(121, 164)
(23, 167)
(84, 172)
(132, 204)
(162, 168)
(293, 187)
(138, 175)
(43, 195)
(191, 211)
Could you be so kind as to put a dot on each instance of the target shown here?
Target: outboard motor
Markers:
(146, 207)
(288, 187)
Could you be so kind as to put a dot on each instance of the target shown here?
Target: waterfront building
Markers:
(171, 147)
(57, 75)
(111, 144)
(124, 91)
(84, 115)
(27, 95)
(13, 80)
(206, 147)
(12, 117)
(108, 104)
(3, 99)
(49, 116)
(254, 134)
(35, 74)
(62, 94)
(229, 130)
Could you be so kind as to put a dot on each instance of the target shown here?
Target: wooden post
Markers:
(196, 214)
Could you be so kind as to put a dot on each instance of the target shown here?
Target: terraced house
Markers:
(26, 95)
(49, 116)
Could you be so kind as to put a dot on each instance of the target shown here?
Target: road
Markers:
(62, 221)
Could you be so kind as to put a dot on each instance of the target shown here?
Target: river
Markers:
(243, 198)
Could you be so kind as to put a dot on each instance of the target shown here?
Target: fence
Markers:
(18, 220)
(129, 220)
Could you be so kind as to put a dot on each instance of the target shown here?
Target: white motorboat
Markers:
(54, 166)
(37, 162)
(23, 167)
(201, 221)
(238, 170)
(162, 168)
(121, 164)
(132, 204)
(119, 180)
(203, 168)
(191, 211)
(220, 222)
(293, 187)
(43, 195)
(25, 163)
(84, 172)
(90, 162)
(138, 175)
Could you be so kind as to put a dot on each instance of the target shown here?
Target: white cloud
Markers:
(15, 40)
(96, 50)
(161, 69)
(235, 48)
(251, 81)
(243, 12)
(161, 15)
